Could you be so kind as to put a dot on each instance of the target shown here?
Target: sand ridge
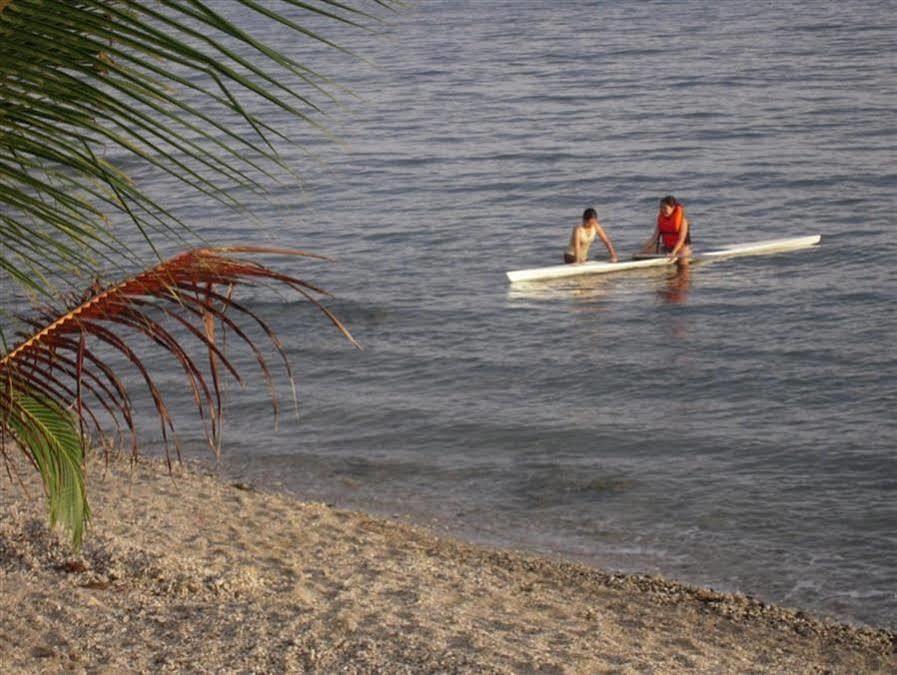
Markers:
(187, 573)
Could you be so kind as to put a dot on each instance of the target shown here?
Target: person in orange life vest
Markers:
(583, 235)
(671, 235)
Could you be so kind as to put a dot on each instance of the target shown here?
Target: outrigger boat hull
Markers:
(766, 247)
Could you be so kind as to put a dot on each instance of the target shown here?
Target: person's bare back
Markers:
(583, 235)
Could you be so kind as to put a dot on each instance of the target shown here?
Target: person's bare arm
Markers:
(607, 243)
(577, 246)
(683, 237)
(651, 245)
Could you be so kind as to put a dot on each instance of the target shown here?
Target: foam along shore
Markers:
(187, 573)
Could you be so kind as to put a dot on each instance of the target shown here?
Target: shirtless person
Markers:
(582, 237)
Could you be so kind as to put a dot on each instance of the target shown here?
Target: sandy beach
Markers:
(186, 573)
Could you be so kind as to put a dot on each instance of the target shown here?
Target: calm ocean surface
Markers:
(732, 427)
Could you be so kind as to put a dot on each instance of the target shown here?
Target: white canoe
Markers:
(754, 248)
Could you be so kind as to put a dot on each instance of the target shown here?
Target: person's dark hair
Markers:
(588, 214)
(669, 200)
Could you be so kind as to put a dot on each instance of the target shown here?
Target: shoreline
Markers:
(349, 489)
(186, 572)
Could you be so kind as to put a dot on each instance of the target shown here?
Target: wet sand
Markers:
(186, 573)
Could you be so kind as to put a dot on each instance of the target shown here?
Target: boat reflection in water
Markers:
(572, 288)
(671, 285)
(678, 283)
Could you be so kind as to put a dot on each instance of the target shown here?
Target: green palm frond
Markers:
(91, 93)
(172, 85)
(50, 438)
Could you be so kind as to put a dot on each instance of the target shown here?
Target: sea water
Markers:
(731, 425)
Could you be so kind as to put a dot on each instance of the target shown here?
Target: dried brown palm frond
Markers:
(64, 365)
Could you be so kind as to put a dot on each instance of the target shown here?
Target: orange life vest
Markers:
(669, 226)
